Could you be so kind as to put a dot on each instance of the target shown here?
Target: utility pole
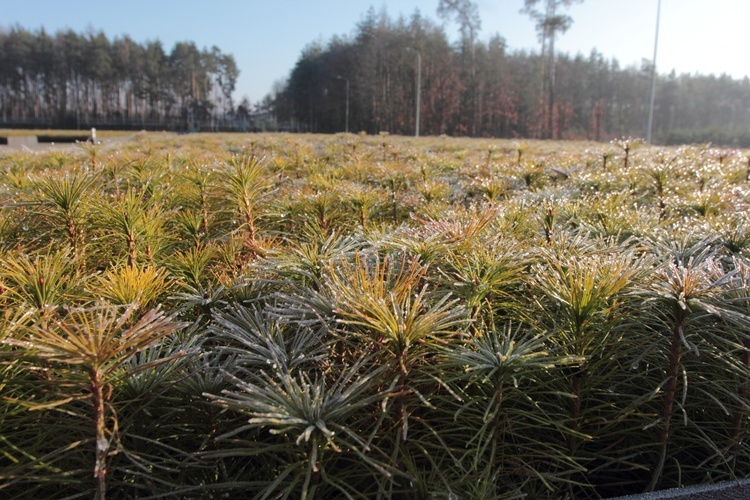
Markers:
(419, 88)
(346, 122)
(653, 78)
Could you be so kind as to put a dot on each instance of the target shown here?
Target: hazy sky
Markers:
(266, 36)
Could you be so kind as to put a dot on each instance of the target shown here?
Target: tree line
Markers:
(367, 81)
(482, 88)
(72, 80)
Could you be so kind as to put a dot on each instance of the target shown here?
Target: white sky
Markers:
(266, 36)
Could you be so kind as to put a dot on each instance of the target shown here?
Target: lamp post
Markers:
(653, 78)
(419, 87)
(346, 122)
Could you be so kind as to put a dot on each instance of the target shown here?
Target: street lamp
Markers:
(419, 87)
(346, 122)
(653, 78)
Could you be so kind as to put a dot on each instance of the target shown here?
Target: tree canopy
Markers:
(70, 78)
(485, 89)
(471, 86)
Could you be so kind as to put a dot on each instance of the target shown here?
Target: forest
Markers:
(485, 89)
(367, 82)
(74, 80)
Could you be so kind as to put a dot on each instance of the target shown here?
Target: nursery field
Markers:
(352, 316)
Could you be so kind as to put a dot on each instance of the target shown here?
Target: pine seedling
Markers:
(91, 348)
